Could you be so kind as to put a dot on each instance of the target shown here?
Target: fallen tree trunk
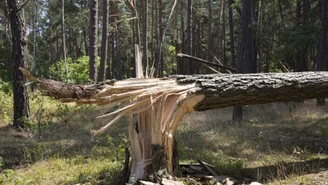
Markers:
(246, 89)
(160, 104)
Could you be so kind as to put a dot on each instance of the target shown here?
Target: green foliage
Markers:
(324, 130)
(6, 102)
(170, 54)
(78, 70)
(5, 68)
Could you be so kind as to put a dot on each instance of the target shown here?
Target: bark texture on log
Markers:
(244, 89)
(160, 104)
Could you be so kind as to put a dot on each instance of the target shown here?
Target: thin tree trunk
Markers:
(104, 42)
(63, 35)
(34, 67)
(50, 40)
(159, 36)
(259, 46)
(118, 62)
(93, 40)
(219, 30)
(7, 35)
(223, 56)
(321, 60)
(253, 33)
(280, 10)
(181, 69)
(21, 103)
(144, 39)
(231, 31)
(189, 36)
(209, 34)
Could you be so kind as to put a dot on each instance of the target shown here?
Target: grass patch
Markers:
(276, 143)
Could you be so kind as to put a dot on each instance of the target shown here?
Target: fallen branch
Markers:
(214, 57)
(205, 61)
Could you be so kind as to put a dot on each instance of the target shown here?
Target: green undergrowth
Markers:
(275, 143)
(56, 146)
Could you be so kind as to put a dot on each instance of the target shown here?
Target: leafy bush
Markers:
(78, 70)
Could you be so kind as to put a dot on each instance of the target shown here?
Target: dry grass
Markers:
(277, 143)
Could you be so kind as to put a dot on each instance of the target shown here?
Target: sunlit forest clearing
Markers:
(280, 143)
(147, 64)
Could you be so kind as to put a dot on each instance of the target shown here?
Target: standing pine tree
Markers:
(21, 103)
(244, 55)
(104, 42)
(93, 53)
(321, 61)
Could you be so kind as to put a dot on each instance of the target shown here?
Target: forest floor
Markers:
(279, 143)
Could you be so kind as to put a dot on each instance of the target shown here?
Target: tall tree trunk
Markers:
(137, 63)
(219, 30)
(63, 35)
(7, 35)
(254, 45)
(223, 56)
(181, 66)
(118, 63)
(231, 31)
(209, 27)
(144, 38)
(259, 46)
(159, 36)
(190, 64)
(21, 103)
(51, 48)
(321, 60)
(104, 42)
(34, 67)
(244, 62)
(93, 40)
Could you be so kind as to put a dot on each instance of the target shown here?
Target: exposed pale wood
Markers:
(138, 61)
(160, 104)
(171, 182)
(148, 183)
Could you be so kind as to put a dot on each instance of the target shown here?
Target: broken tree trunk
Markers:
(161, 103)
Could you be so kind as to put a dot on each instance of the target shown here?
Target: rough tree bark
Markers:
(63, 35)
(161, 103)
(244, 62)
(231, 34)
(189, 37)
(93, 52)
(21, 104)
(321, 61)
(104, 42)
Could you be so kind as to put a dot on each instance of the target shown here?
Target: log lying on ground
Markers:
(160, 104)
(246, 89)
